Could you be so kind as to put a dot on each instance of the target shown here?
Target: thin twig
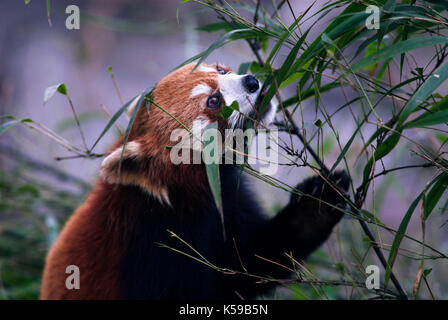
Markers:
(75, 115)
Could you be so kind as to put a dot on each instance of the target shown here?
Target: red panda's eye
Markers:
(214, 101)
(221, 70)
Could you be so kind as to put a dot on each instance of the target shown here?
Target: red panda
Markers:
(114, 237)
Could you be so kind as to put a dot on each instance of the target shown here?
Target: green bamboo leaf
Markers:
(399, 237)
(402, 229)
(443, 139)
(215, 27)
(62, 89)
(440, 105)
(212, 169)
(428, 119)
(8, 125)
(337, 28)
(382, 150)
(397, 49)
(28, 189)
(435, 194)
(425, 90)
(326, 39)
(50, 91)
(11, 123)
(412, 11)
(426, 272)
(437, 114)
(48, 12)
(244, 67)
(291, 79)
(387, 146)
(228, 110)
(371, 50)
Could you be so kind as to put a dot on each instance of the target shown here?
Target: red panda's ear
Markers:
(110, 169)
(134, 170)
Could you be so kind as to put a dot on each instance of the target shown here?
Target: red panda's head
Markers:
(183, 97)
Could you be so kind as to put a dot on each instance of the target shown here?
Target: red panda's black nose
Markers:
(250, 83)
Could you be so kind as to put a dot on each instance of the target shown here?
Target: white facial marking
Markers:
(206, 69)
(200, 89)
(232, 89)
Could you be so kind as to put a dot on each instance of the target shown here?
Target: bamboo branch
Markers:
(326, 173)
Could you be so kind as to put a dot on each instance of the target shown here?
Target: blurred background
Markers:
(142, 41)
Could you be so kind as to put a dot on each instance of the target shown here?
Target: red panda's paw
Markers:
(322, 199)
(308, 220)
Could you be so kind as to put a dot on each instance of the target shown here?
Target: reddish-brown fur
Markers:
(79, 240)
(93, 228)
